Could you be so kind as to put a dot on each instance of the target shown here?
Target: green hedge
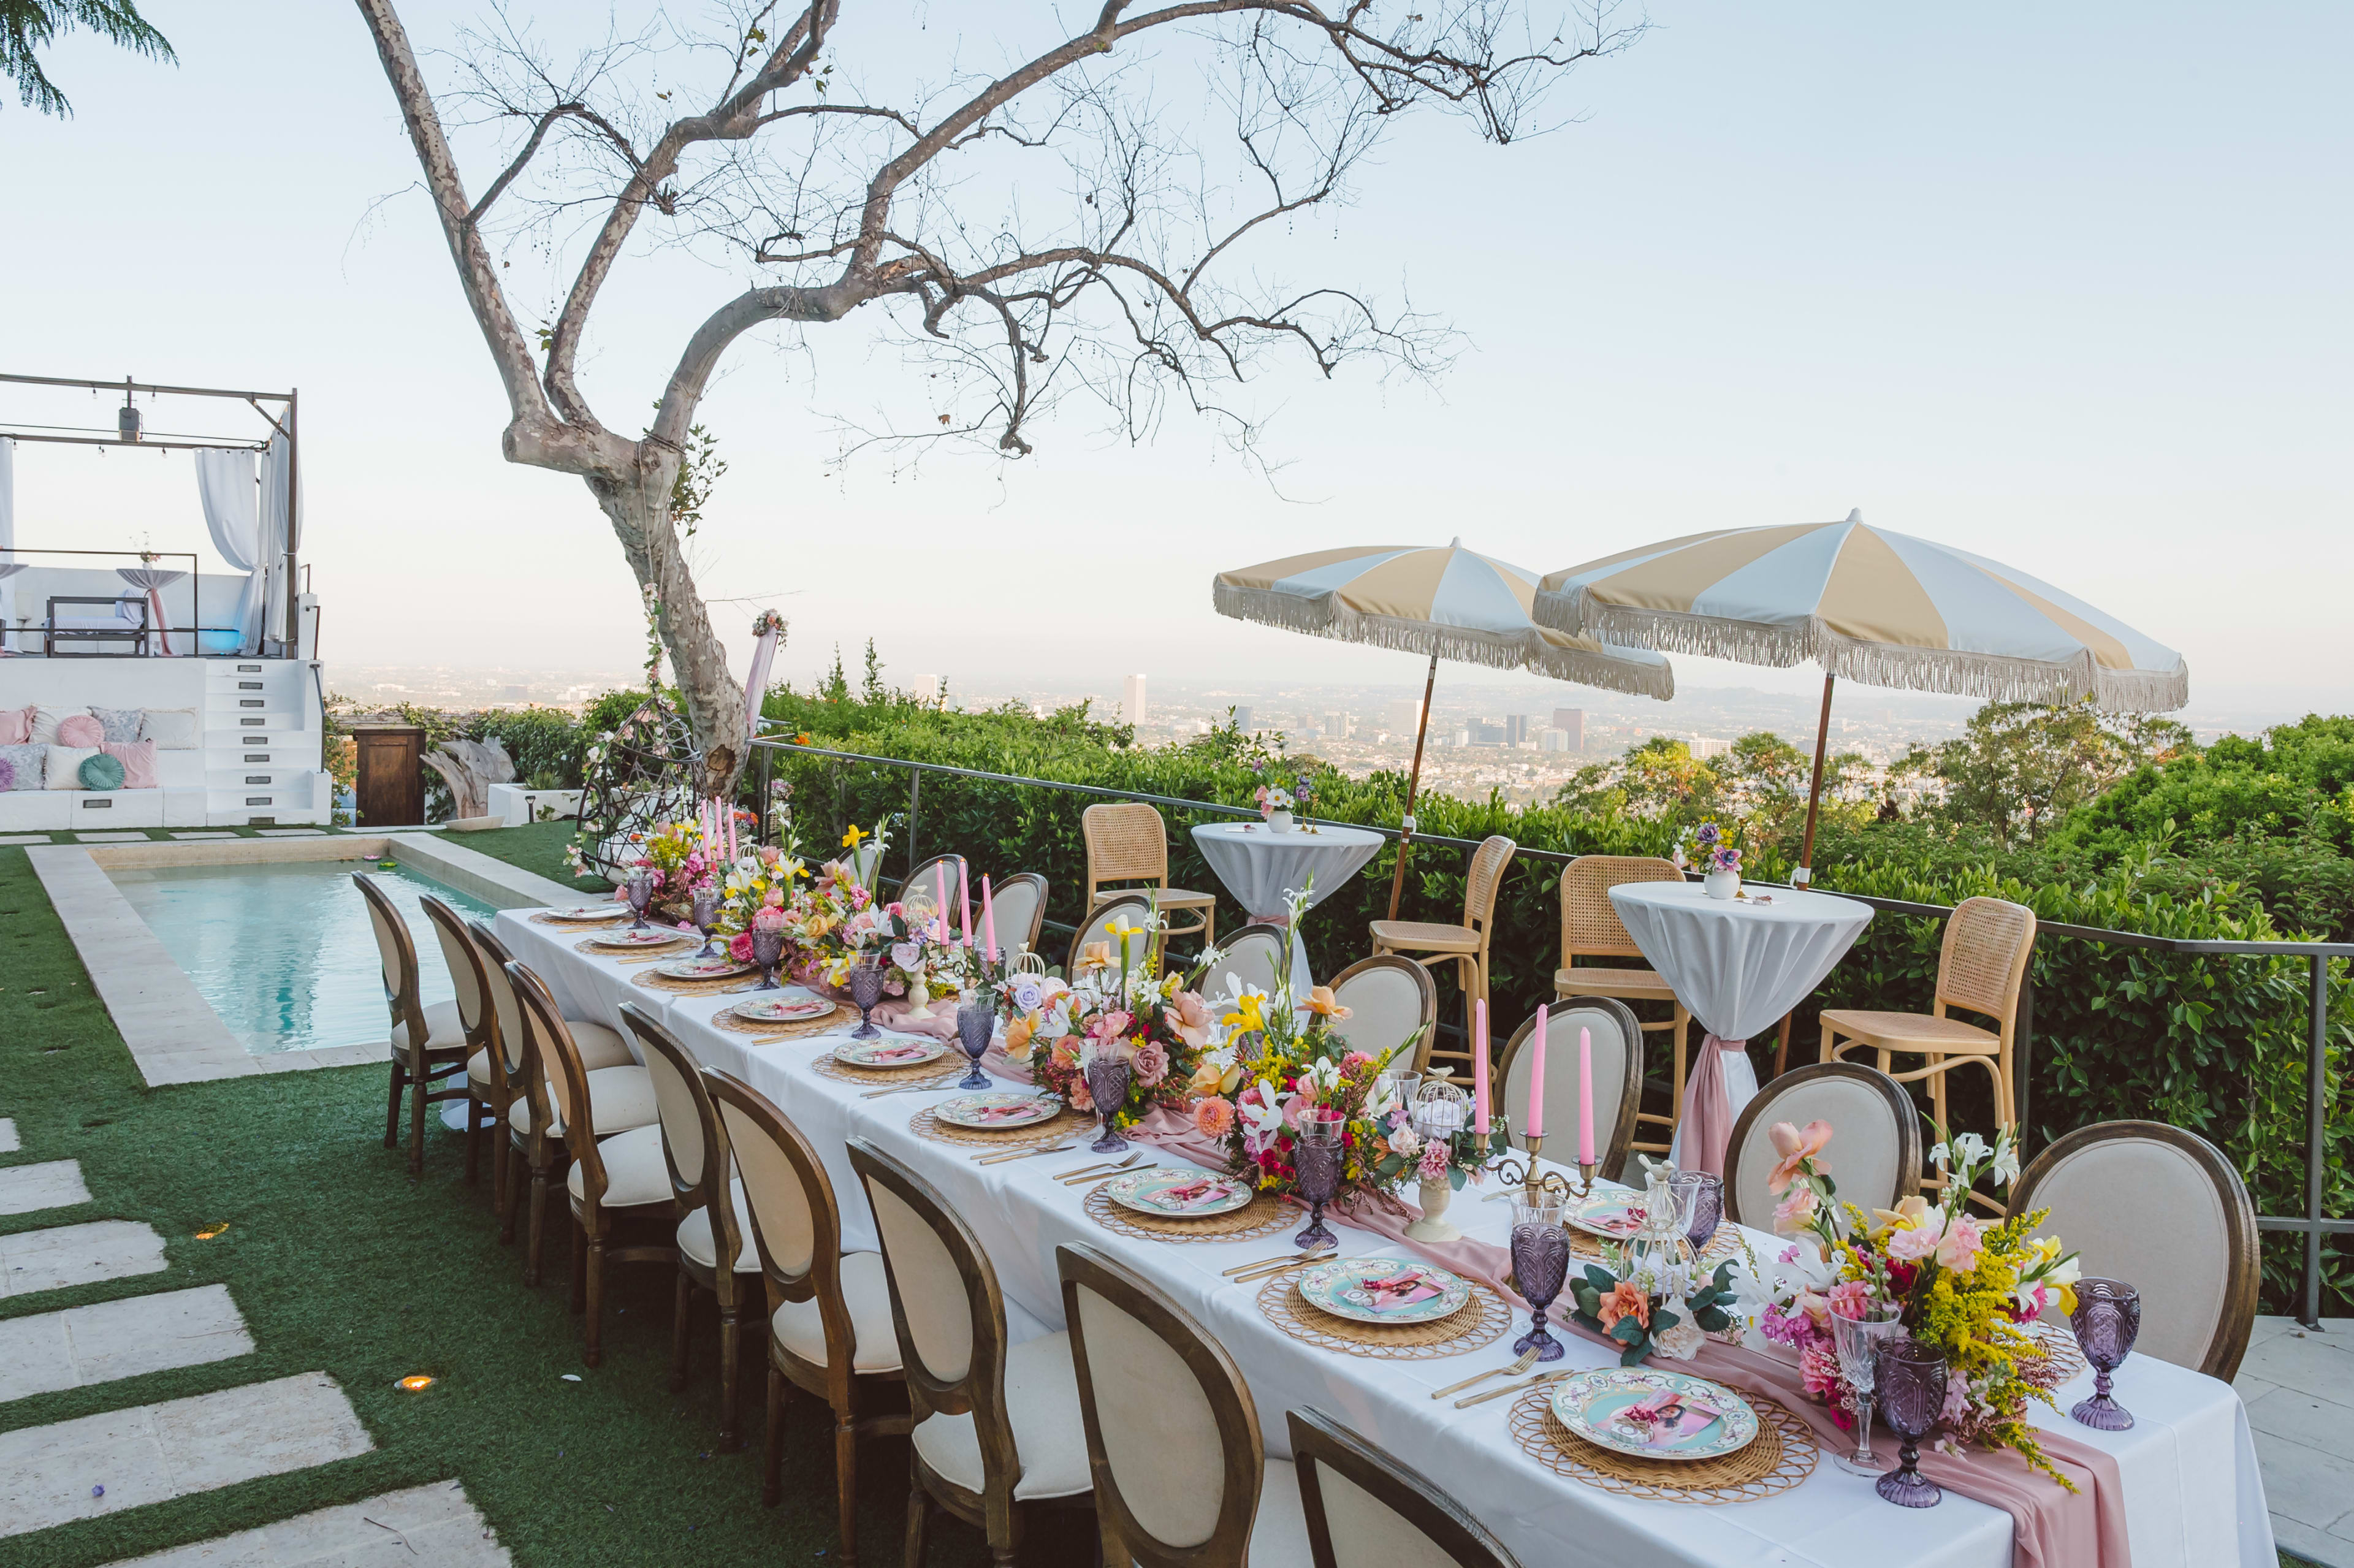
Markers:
(2211, 1044)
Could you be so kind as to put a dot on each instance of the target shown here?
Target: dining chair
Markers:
(1988, 942)
(500, 1077)
(927, 880)
(1021, 904)
(1126, 841)
(713, 1221)
(1617, 1042)
(1252, 955)
(481, 1027)
(1124, 909)
(1361, 1506)
(995, 1425)
(830, 1326)
(2164, 1211)
(619, 1175)
(1192, 1485)
(1875, 1148)
(1590, 929)
(428, 1044)
(1465, 946)
(1392, 1002)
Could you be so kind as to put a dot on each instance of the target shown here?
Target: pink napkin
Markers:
(1406, 1289)
(1190, 1194)
(1667, 1419)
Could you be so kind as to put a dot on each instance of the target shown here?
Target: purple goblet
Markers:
(1540, 1265)
(1911, 1378)
(1108, 1077)
(638, 888)
(1316, 1157)
(1700, 1196)
(976, 1023)
(2107, 1319)
(767, 949)
(706, 919)
(866, 991)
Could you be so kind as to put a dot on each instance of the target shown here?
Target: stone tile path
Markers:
(8, 1144)
(122, 838)
(290, 832)
(2299, 1389)
(14, 840)
(77, 1254)
(53, 1184)
(430, 1524)
(200, 835)
(83, 1345)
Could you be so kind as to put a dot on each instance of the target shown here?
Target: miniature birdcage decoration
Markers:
(1660, 1249)
(1440, 1111)
(637, 779)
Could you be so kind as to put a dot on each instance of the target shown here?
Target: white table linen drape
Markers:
(8, 539)
(152, 581)
(2189, 1466)
(1262, 867)
(232, 506)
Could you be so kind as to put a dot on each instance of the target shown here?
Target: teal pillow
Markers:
(102, 772)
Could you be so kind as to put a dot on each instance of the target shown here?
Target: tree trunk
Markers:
(638, 511)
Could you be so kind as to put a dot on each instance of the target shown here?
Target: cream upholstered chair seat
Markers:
(1041, 1404)
(1913, 1031)
(622, 1098)
(695, 1235)
(600, 1047)
(866, 1292)
(1278, 1536)
(1430, 938)
(444, 1030)
(636, 1171)
(1641, 985)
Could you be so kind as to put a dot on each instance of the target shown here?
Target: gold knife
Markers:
(1516, 1387)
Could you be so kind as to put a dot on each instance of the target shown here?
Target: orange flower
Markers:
(1321, 1001)
(1096, 955)
(1626, 1300)
(1017, 1036)
(1796, 1148)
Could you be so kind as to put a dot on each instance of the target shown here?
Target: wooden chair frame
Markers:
(1590, 928)
(838, 1382)
(2244, 1271)
(1319, 1442)
(922, 880)
(1244, 1451)
(1114, 855)
(1007, 939)
(1480, 886)
(420, 1068)
(592, 1222)
(707, 1189)
(1900, 1106)
(1136, 900)
(1279, 935)
(517, 1075)
(482, 1030)
(980, 1391)
(1424, 984)
(1611, 1153)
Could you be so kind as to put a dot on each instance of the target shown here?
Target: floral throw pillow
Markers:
(120, 725)
(24, 763)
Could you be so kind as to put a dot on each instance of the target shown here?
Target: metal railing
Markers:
(2312, 1224)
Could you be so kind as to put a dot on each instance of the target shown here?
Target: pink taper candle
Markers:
(964, 896)
(1535, 1125)
(941, 881)
(1479, 1066)
(1585, 1096)
(988, 920)
(732, 851)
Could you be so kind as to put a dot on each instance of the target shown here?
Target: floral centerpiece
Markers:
(1118, 1001)
(1969, 1287)
(682, 861)
(1652, 1297)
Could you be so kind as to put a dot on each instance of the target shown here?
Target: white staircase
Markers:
(262, 744)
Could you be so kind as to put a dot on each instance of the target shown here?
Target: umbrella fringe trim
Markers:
(1322, 617)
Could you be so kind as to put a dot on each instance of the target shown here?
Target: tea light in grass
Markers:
(415, 1382)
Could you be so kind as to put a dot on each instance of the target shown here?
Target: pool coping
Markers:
(173, 1033)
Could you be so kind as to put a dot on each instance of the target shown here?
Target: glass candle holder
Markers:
(2107, 1319)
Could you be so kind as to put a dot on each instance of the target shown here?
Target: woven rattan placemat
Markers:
(1052, 1131)
(668, 950)
(1481, 1321)
(1263, 1215)
(939, 1069)
(769, 1034)
(652, 982)
(546, 919)
(1782, 1455)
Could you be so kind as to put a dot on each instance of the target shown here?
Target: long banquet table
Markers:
(2192, 1492)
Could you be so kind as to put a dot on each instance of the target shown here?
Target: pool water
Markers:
(283, 953)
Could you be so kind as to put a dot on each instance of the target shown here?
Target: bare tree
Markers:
(1036, 229)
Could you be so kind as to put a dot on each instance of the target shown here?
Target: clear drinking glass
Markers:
(976, 1024)
(866, 991)
(706, 919)
(2107, 1319)
(1913, 1397)
(1858, 1342)
(1316, 1157)
(1540, 1265)
(1107, 1079)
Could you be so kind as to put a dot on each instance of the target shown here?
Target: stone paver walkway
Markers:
(2299, 1389)
(83, 1345)
(51, 1184)
(77, 1254)
(8, 1144)
(430, 1524)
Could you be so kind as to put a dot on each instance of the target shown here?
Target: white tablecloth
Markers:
(2189, 1467)
(1262, 867)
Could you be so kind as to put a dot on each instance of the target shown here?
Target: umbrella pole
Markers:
(1413, 784)
(1805, 874)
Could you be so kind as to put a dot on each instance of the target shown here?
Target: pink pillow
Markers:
(16, 725)
(138, 760)
(81, 730)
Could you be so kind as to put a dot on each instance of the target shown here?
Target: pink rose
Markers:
(1796, 1211)
(1958, 1249)
(1193, 1024)
(1913, 1245)
(774, 898)
(1213, 1117)
(1150, 1064)
(1353, 1063)
(739, 947)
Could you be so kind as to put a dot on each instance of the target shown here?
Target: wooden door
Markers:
(391, 789)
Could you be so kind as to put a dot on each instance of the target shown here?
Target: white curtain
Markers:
(274, 470)
(233, 517)
(7, 536)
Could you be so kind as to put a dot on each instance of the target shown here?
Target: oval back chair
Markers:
(1019, 903)
(927, 882)
(1875, 1150)
(426, 1044)
(486, 1089)
(1361, 1506)
(1126, 909)
(1617, 1042)
(1393, 1005)
(1254, 955)
(2162, 1209)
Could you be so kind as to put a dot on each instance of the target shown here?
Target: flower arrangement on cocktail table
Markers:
(1966, 1286)
(1119, 1006)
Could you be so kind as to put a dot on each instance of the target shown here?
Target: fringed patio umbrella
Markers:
(1446, 602)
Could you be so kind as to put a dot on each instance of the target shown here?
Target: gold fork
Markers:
(1540, 1379)
(1528, 1358)
(1000, 1156)
(1319, 1256)
(1105, 1176)
(1098, 1165)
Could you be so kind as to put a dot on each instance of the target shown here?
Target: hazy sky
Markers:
(2068, 286)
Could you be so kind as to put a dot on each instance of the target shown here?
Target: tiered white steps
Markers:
(262, 744)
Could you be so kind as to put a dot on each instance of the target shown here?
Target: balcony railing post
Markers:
(2022, 1052)
(914, 814)
(2316, 1094)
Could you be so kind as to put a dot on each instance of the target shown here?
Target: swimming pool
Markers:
(283, 952)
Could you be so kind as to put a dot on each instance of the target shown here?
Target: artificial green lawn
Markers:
(340, 1265)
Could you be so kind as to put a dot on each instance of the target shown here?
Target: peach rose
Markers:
(1193, 1024)
(1795, 1146)
(1626, 1300)
(1958, 1248)
(1794, 1211)
(1319, 1001)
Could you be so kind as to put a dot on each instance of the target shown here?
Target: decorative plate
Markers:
(891, 1050)
(651, 936)
(1654, 1414)
(719, 967)
(592, 911)
(1614, 1216)
(787, 1006)
(997, 1112)
(1178, 1194)
(1384, 1290)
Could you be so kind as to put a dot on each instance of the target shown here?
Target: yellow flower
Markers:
(1906, 1215)
(1246, 1016)
(1119, 932)
(851, 840)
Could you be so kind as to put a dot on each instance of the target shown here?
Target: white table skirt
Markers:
(2189, 1466)
(1262, 867)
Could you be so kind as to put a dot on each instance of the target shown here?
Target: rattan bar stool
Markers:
(1463, 946)
(1590, 929)
(1127, 842)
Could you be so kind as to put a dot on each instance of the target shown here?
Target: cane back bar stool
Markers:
(1463, 946)
(1127, 842)
(1590, 929)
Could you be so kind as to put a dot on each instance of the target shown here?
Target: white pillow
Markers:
(172, 729)
(46, 722)
(63, 769)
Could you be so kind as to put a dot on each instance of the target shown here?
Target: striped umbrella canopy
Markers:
(1881, 607)
(1446, 602)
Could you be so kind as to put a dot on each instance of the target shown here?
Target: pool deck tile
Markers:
(203, 836)
(62, 1255)
(121, 837)
(127, 1337)
(290, 832)
(434, 1523)
(52, 1184)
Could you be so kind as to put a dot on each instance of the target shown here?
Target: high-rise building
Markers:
(1704, 747)
(1516, 728)
(1132, 702)
(1242, 719)
(1487, 732)
(925, 688)
(1571, 722)
(1402, 717)
(1336, 726)
(1554, 739)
